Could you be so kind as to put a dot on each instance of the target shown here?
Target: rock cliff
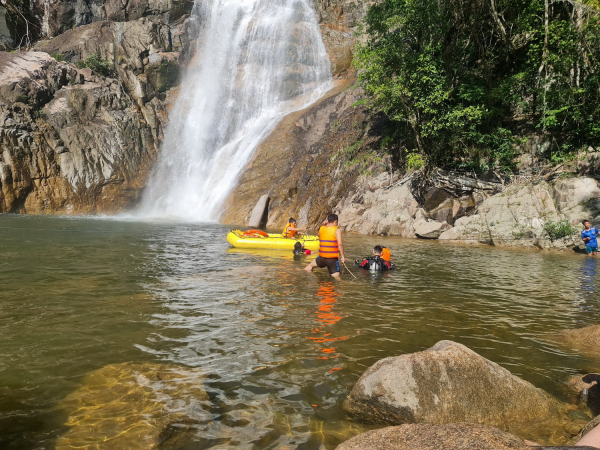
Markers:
(83, 141)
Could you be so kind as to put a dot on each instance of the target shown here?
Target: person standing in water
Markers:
(290, 229)
(588, 235)
(331, 248)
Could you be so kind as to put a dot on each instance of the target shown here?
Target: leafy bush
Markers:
(559, 229)
(414, 161)
(58, 56)
(98, 64)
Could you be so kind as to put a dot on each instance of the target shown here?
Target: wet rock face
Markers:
(455, 436)
(59, 16)
(450, 383)
(67, 147)
(133, 406)
(293, 165)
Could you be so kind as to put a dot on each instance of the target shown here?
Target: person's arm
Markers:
(296, 229)
(338, 235)
(584, 239)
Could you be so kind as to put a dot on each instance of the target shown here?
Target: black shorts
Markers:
(332, 264)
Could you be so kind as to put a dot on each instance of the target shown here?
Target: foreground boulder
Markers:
(450, 383)
(133, 406)
(454, 436)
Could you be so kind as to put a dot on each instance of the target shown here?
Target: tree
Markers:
(455, 75)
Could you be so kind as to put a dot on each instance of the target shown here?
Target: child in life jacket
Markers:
(379, 261)
(300, 250)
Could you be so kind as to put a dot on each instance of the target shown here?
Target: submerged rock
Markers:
(132, 406)
(587, 388)
(450, 383)
(454, 436)
(586, 340)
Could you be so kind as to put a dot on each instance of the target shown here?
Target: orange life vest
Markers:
(386, 254)
(328, 244)
(288, 234)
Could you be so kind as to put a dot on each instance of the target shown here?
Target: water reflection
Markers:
(326, 317)
(587, 278)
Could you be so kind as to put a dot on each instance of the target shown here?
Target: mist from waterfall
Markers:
(257, 60)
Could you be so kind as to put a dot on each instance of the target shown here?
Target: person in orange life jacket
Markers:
(290, 229)
(375, 262)
(331, 248)
(300, 250)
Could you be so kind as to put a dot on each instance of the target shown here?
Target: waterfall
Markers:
(257, 61)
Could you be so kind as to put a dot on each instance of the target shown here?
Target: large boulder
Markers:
(455, 436)
(451, 383)
(430, 229)
(133, 406)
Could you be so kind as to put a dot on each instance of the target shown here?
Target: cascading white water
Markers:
(257, 61)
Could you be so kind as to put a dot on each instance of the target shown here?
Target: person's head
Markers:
(377, 250)
(298, 246)
(332, 219)
(586, 224)
(292, 221)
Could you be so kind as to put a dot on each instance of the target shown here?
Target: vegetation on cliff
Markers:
(462, 81)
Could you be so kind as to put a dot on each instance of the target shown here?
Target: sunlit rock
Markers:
(430, 229)
(455, 436)
(450, 383)
(517, 217)
(133, 406)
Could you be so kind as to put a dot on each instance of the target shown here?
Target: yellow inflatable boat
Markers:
(260, 239)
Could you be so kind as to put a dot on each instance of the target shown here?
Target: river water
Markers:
(276, 349)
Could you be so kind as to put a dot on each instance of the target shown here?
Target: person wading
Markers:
(331, 248)
(588, 235)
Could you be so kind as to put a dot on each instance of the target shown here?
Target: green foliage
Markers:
(58, 56)
(559, 229)
(414, 161)
(98, 64)
(454, 75)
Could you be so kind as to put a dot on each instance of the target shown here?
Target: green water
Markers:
(278, 349)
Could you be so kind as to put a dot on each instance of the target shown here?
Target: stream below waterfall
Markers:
(259, 354)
